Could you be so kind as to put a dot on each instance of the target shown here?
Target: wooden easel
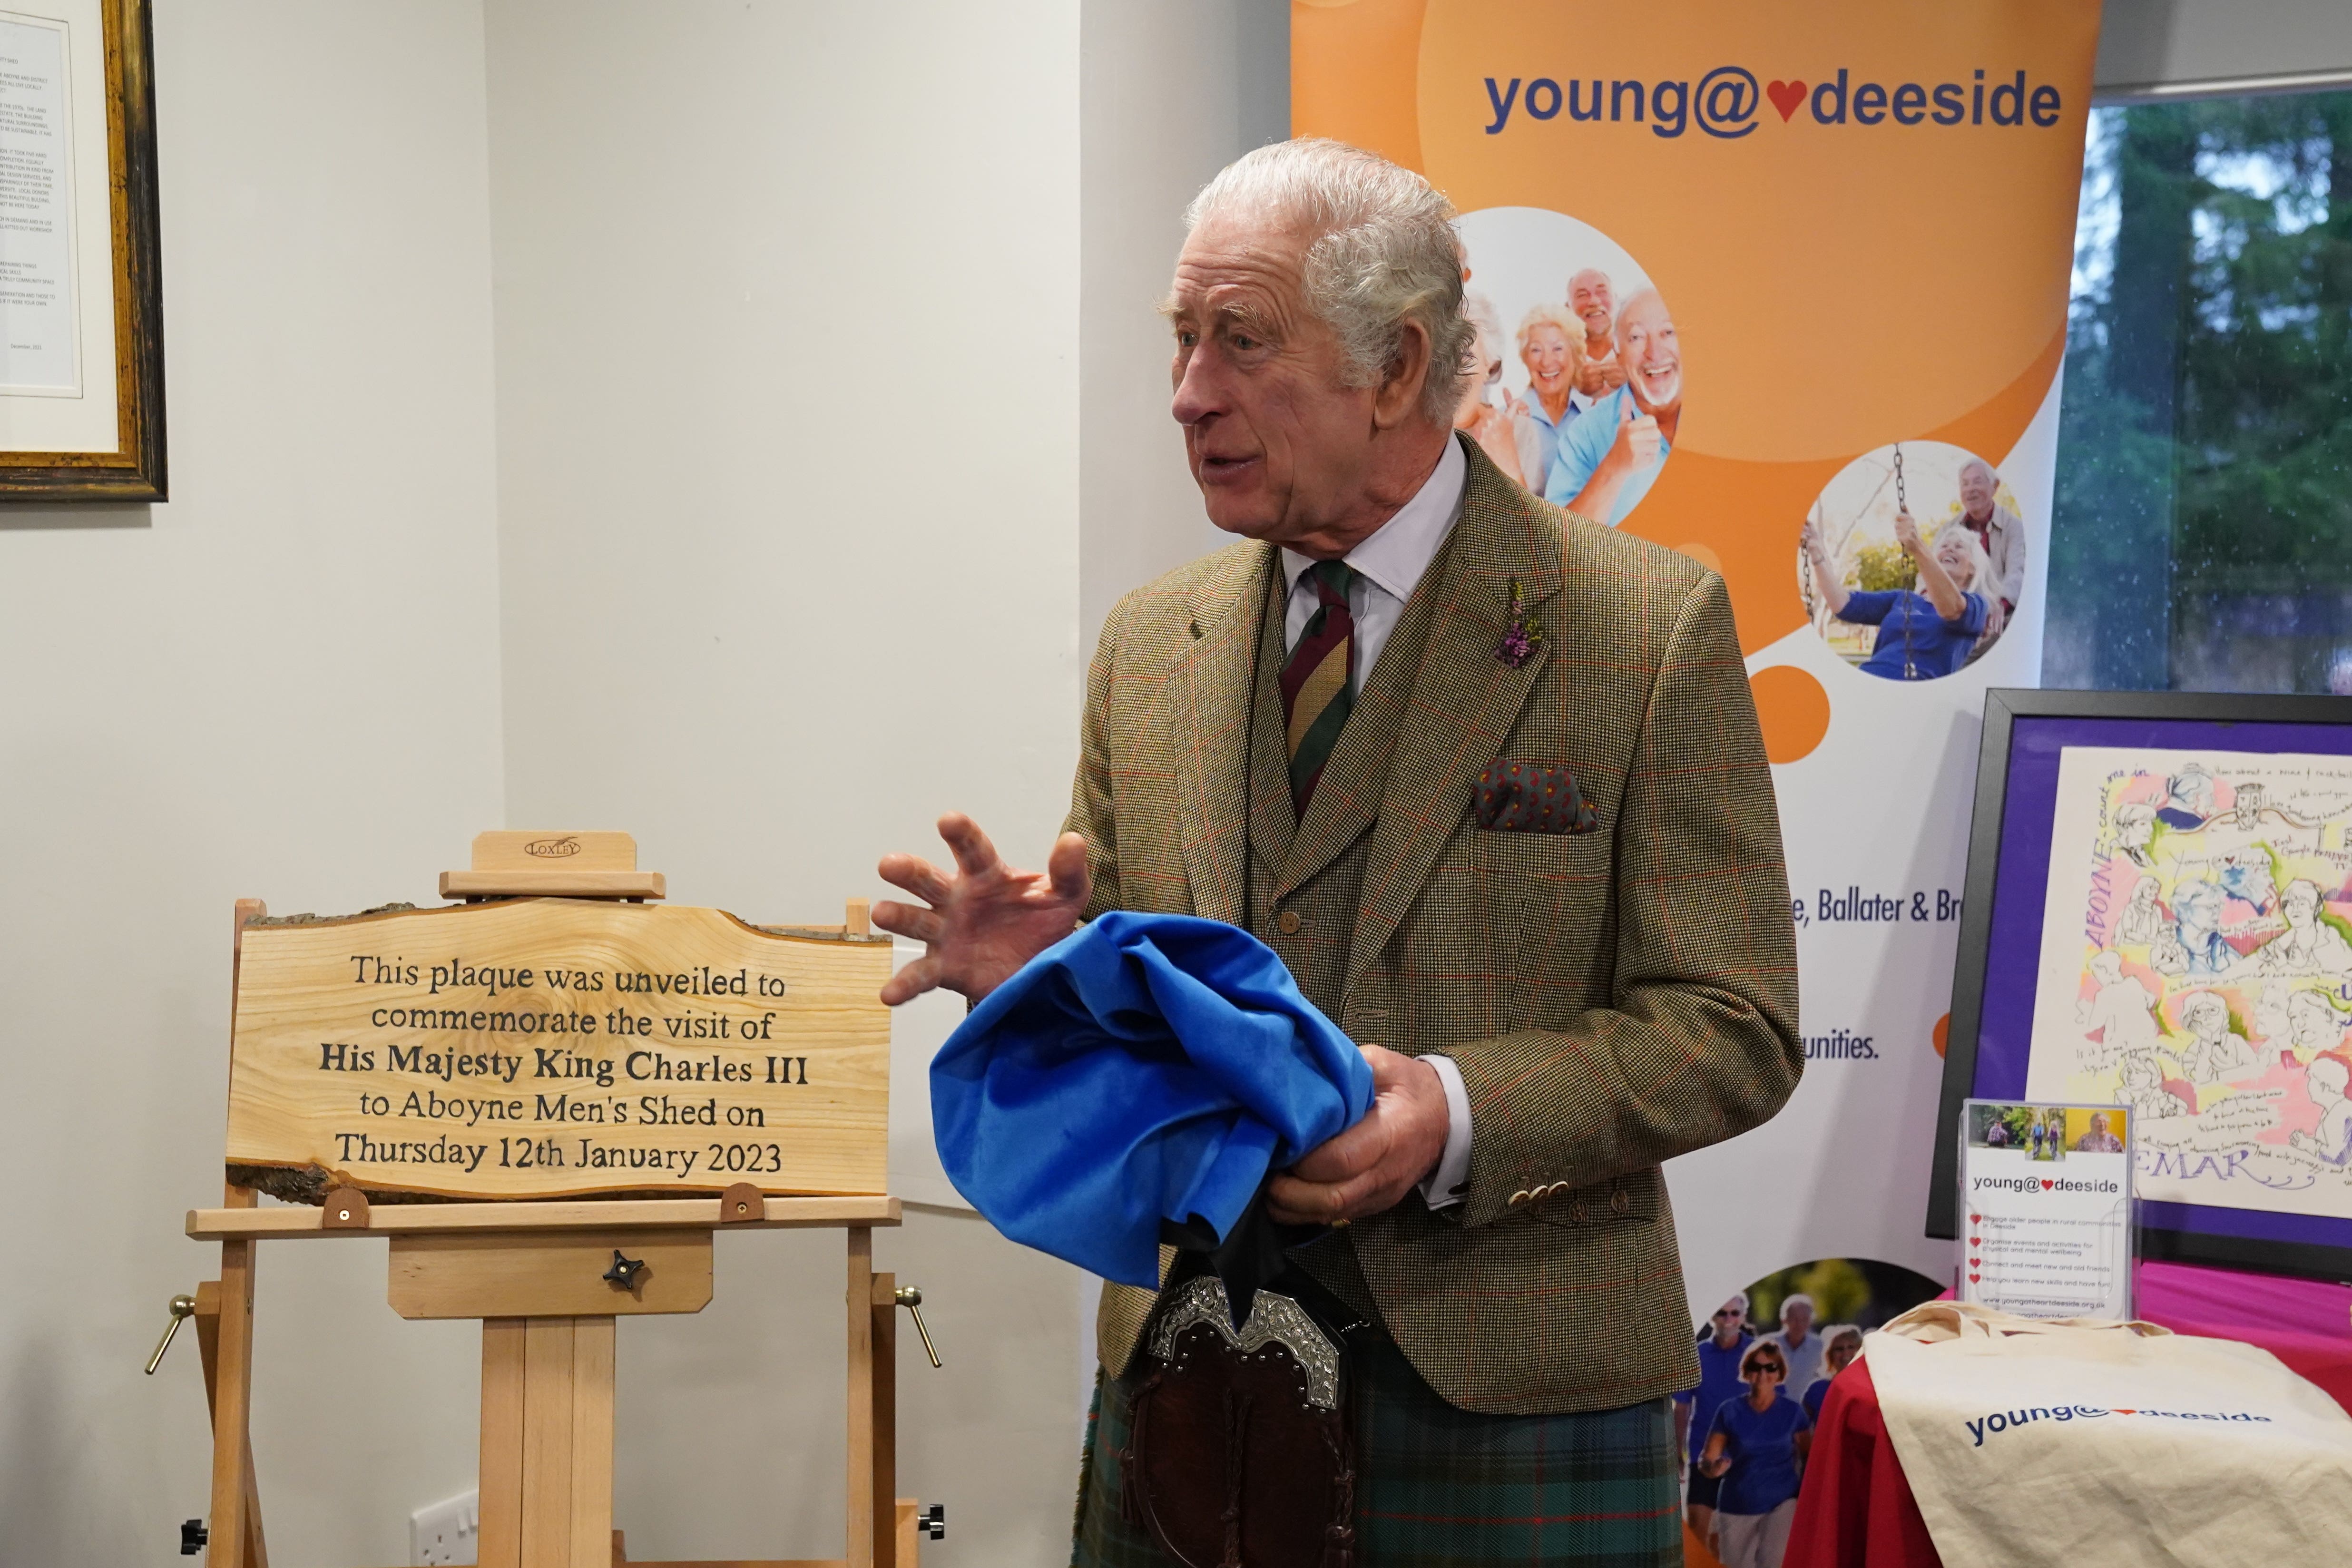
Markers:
(536, 1274)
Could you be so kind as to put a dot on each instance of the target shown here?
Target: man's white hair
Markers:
(1381, 253)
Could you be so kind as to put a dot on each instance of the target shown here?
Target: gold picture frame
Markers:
(134, 468)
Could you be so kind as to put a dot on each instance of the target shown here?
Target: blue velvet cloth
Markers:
(1145, 1068)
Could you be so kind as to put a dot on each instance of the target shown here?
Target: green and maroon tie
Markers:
(1315, 691)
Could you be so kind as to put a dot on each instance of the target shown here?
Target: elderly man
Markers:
(1594, 306)
(2001, 533)
(1799, 1346)
(1306, 734)
(1610, 455)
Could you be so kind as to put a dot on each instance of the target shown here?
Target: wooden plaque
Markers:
(543, 1048)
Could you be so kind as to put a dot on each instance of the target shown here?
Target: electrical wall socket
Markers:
(447, 1532)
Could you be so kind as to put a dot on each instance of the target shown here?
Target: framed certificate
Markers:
(82, 326)
(2158, 917)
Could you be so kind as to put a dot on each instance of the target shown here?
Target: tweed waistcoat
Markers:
(1611, 998)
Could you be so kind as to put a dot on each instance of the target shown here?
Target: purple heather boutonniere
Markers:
(1526, 634)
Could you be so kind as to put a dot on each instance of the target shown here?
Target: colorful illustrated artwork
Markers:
(2197, 968)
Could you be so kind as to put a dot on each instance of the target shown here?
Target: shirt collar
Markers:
(1399, 552)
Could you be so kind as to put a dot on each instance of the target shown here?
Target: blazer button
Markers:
(1520, 1196)
(1617, 1200)
(1575, 1211)
(1290, 922)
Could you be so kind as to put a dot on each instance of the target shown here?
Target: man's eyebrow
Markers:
(1244, 316)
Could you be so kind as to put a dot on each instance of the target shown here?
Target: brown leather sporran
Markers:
(1239, 1453)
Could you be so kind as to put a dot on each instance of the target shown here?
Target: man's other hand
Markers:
(1369, 1168)
(982, 924)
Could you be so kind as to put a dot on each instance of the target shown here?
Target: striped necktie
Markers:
(1316, 692)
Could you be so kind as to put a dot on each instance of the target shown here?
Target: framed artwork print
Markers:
(81, 325)
(2159, 916)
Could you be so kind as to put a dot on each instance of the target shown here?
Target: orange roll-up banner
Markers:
(1783, 288)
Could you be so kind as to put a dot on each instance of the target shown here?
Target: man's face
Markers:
(1975, 489)
(1651, 355)
(1727, 1320)
(1590, 301)
(1798, 1318)
(1273, 437)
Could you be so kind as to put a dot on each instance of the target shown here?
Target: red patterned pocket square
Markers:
(1532, 797)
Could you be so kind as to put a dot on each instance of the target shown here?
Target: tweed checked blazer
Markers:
(1611, 998)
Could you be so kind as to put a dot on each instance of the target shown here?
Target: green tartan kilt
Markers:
(1438, 1486)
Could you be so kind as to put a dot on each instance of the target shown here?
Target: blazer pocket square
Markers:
(1532, 797)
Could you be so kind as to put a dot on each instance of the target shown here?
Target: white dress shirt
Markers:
(1388, 565)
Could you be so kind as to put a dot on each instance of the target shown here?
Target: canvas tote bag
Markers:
(2086, 1442)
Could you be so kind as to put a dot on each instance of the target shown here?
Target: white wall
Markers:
(284, 683)
(787, 325)
(1172, 91)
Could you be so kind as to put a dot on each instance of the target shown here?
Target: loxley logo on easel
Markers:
(552, 848)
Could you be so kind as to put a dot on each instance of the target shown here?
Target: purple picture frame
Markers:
(1986, 1041)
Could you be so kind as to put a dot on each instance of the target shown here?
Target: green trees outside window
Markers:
(2202, 537)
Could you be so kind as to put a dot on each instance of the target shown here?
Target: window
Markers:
(2202, 535)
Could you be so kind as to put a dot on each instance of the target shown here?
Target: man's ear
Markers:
(1398, 397)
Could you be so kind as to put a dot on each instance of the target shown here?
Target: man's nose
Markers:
(1197, 391)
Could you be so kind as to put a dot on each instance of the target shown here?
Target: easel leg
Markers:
(500, 1542)
(207, 1316)
(873, 1410)
(547, 1443)
(235, 1508)
(861, 1396)
(592, 1443)
(884, 1466)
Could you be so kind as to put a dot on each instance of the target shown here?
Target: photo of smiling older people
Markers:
(1551, 348)
(1484, 412)
(1610, 455)
(1923, 632)
(1902, 532)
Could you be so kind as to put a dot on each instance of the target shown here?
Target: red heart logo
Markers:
(1975, 1219)
(1786, 96)
(2047, 1183)
(1972, 1279)
(1975, 1242)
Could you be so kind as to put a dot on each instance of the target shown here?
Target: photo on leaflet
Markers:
(2044, 1131)
(1768, 1356)
(1912, 561)
(1582, 395)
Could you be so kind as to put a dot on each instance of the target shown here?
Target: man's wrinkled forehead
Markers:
(1241, 264)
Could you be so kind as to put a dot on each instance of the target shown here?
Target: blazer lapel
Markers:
(1210, 686)
(1464, 698)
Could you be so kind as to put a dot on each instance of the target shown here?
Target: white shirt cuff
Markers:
(1444, 1187)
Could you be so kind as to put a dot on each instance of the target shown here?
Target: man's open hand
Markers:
(1369, 1168)
(981, 925)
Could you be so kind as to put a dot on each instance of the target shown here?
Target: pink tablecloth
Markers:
(2306, 1323)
